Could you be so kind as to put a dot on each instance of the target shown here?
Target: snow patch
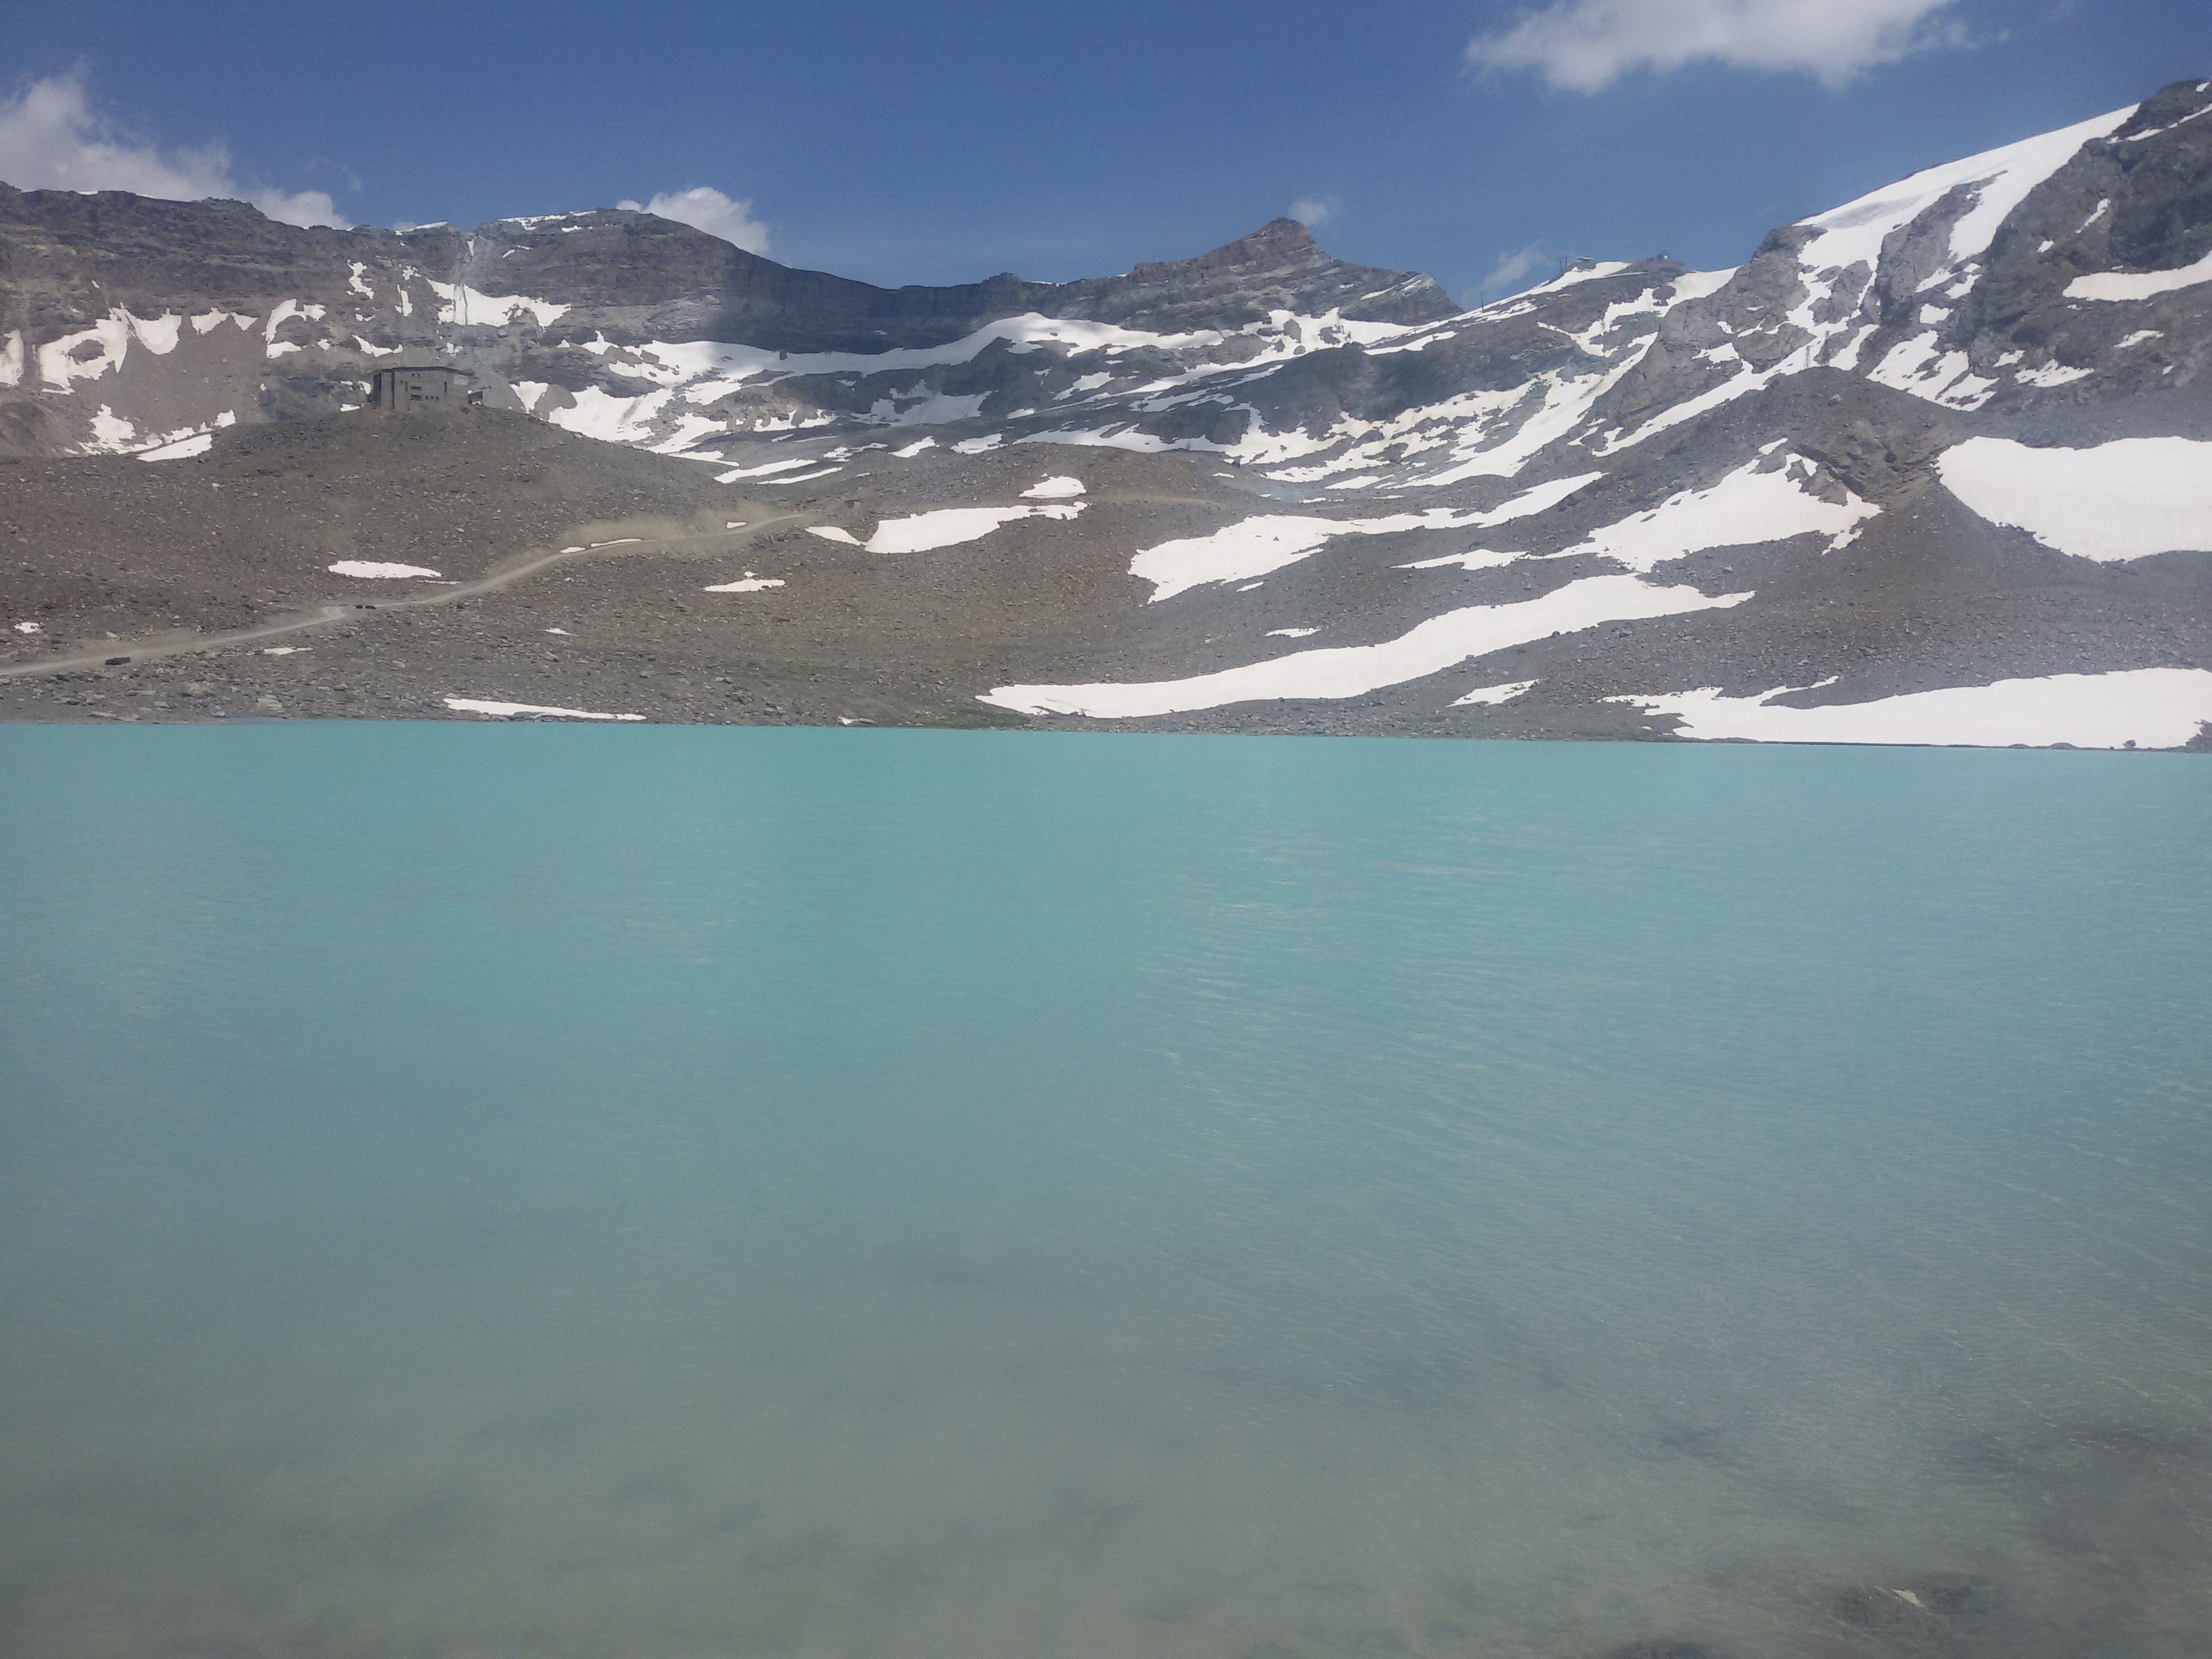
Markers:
(1256, 546)
(597, 413)
(1489, 697)
(2052, 374)
(1250, 547)
(1921, 368)
(947, 526)
(2129, 499)
(2150, 708)
(467, 308)
(1051, 488)
(85, 354)
(1439, 643)
(763, 470)
(1478, 558)
(159, 334)
(1566, 400)
(706, 370)
(1570, 277)
(931, 408)
(1746, 507)
(377, 570)
(2152, 132)
(1121, 435)
(285, 310)
(111, 431)
(508, 710)
(183, 449)
(2139, 284)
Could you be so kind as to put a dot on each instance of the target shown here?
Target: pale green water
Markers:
(543, 1191)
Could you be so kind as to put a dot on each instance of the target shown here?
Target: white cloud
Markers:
(52, 138)
(1585, 45)
(1312, 212)
(709, 210)
(1513, 270)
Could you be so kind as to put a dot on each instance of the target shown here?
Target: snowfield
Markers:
(1999, 179)
(1353, 671)
(2143, 707)
(1250, 547)
(1747, 507)
(2130, 499)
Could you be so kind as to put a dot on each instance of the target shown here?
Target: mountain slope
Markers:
(126, 321)
(1939, 459)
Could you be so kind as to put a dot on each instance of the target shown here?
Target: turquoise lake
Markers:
(548, 1191)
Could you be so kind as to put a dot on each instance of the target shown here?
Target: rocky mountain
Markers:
(1934, 465)
(129, 323)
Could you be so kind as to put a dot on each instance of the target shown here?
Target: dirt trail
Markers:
(152, 647)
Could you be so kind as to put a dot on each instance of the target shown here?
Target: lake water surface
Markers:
(504, 1191)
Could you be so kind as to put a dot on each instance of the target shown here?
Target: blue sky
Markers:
(904, 143)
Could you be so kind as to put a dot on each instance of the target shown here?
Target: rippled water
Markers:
(542, 1191)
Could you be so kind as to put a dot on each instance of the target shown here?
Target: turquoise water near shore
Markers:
(549, 1191)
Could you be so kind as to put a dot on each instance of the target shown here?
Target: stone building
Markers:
(433, 386)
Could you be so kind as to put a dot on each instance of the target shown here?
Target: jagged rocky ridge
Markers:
(1948, 439)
